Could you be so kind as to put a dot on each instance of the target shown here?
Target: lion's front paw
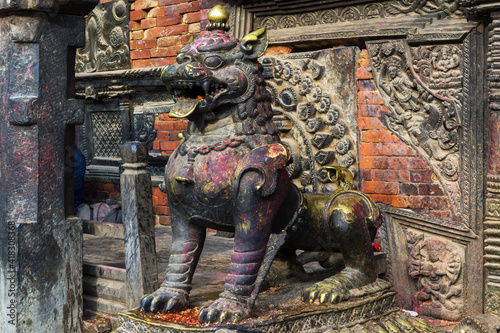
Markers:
(336, 289)
(224, 310)
(164, 300)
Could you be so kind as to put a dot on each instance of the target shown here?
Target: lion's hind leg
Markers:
(349, 215)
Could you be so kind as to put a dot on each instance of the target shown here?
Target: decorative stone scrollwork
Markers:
(106, 39)
(422, 88)
(312, 111)
(444, 8)
(436, 265)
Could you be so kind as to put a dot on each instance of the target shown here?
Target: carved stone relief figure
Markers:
(436, 266)
(315, 113)
(106, 39)
(424, 99)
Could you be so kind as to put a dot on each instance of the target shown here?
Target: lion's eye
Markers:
(213, 61)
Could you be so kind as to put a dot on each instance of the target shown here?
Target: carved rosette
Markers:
(106, 39)
(436, 267)
(315, 113)
(422, 88)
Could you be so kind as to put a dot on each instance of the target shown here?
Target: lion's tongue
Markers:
(183, 108)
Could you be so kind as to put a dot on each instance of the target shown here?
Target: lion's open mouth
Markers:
(189, 94)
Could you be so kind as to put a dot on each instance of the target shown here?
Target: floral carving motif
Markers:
(311, 123)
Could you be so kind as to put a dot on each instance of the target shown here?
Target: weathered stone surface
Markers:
(138, 223)
(40, 243)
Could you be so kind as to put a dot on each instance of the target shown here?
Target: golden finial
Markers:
(218, 17)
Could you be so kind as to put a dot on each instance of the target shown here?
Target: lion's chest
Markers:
(202, 180)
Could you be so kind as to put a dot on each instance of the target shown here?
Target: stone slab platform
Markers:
(376, 313)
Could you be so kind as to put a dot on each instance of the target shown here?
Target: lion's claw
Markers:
(223, 310)
(164, 300)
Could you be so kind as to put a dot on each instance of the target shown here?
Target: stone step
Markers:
(103, 305)
(104, 288)
(103, 271)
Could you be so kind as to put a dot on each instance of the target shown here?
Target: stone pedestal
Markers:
(40, 241)
(281, 310)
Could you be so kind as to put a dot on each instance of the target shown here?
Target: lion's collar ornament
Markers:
(229, 174)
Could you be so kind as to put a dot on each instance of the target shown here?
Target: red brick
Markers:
(416, 163)
(408, 189)
(156, 32)
(379, 187)
(163, 220)
(162, 200)
(364, 62)
(165, 117)
(169, 41)
(366, 85)
(137, 15)
(158, 52)
(192, 17)
(380, 198)
(369, 97)
(394, 149)
(155, 200)
(156, 12)
(368, 149)
(160, 210)
(142, 54)
(421, 176)
(145, 4)
(370, 123)
(429, 203)
(157, 191)
(373, 162)
(366, 175)
(164, 125)
(177, 30)
(115, 195)
(142, 44)
(374, 136)
(168, 20)
(204, 14)
(362, 73)
(398, 201)
(430, 189)
(134, 25)
(369, 110)
(363, 54)
(148, 23)
(400, 176)
(139, 34)
(168, 145)
(399, 163)
(169, 2)
(172, 50)
(163, 136)
(156, 145)
(181, 125)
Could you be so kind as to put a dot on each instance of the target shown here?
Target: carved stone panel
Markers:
(434, 268)
(422, 87)
(106, 39)
(315, 110)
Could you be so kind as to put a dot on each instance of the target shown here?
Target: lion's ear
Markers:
(255, 43)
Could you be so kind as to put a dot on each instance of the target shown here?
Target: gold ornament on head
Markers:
(218, 17)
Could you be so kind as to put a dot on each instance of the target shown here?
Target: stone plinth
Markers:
(282, 311)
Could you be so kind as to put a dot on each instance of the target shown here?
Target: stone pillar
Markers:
(138, 223)
(40, 241)
(492, 214)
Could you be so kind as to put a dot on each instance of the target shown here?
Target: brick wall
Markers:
(391, 171)
(158, 28)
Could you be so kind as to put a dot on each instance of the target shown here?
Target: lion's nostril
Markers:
(183, 58)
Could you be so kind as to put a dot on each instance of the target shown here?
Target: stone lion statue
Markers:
(230, 174)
